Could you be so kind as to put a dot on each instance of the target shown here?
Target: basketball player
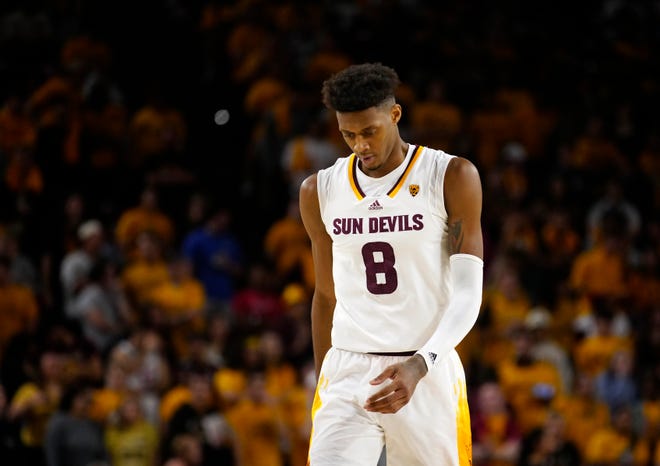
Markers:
(397, 247)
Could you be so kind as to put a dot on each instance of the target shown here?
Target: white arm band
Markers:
(466, 273)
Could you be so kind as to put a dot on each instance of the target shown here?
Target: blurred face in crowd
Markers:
(490, 399)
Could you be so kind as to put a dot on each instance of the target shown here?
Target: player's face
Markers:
(372, 134)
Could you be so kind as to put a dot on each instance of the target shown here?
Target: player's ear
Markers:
(396, 113)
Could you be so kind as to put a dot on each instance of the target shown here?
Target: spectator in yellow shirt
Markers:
(506, 299)
(592, 354)
(107, 399)
(145, 272)
(177, 305)
(618, 443)
(156, 130)
(529, 385)
(601, 270)
(146, 216)
(294, 410)
(131, 440)
(280, 374)
(583, 412)
(36, 401)
(259, 428)
(288, 245)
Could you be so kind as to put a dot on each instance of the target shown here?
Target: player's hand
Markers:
(396, 394)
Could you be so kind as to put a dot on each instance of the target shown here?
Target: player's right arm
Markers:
(323, 300)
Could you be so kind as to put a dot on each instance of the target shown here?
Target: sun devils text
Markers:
(384, 224)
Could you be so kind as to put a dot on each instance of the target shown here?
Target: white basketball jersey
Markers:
(390, 252)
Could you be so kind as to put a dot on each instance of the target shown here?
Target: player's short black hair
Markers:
(360, 87)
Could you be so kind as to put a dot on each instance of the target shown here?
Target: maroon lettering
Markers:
(336, 226)
(347, 226)
(403, 223)
(417, 222)
(382, 224)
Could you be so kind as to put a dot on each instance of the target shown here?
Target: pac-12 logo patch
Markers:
(414, 189)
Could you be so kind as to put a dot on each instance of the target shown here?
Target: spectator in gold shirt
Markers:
(144, 272)
(529, 385)
(177, 305)
(146, 216)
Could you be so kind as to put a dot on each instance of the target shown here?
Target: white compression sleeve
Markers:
(466, 272)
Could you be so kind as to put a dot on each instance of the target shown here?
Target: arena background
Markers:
(154, 275)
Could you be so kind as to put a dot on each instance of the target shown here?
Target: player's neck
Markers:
(398, 155)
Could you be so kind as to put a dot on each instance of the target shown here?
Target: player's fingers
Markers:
(380, 406)
(397, 402)
(383, 376)
(381, 394)
(389, 404)
(387, 395)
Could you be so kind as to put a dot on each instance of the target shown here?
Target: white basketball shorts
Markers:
(432, 429)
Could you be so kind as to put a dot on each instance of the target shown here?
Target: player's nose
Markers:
(361, 146)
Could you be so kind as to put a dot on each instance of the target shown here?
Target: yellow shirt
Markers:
(506, 311)
(141, 277)
(175, 300)
(33, 428)
(517, 384)
(105, 401)
(229, 385)
(155, 131)
(18, 312)
(135, 445)
(294, 411)
(606, 446)
(651, 413)
(138, 219)
(583, 416)
(257, 428)
(595, 272)
(280, 379)
(287, 242)
(593, 354)
(173, 400)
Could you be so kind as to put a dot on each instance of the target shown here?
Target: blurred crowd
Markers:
(155, 276)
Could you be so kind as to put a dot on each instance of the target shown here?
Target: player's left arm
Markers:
(463, 202)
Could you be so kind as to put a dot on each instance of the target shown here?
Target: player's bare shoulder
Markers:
(308, 187)
(309, 205)
(461, 171)
(462, 183)
(308, 196)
